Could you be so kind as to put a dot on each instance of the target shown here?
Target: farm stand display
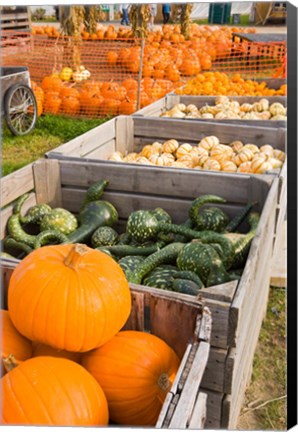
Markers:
(237, 308)
(185, 404)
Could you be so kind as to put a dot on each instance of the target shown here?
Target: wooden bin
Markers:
(237, 308)
(185, 404)
(169, 101)
(129, 134)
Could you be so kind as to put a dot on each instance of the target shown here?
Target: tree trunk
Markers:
(72, 21)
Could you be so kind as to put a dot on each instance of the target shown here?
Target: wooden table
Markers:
(260, 37)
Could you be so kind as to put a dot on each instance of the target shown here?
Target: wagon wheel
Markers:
(20, 109)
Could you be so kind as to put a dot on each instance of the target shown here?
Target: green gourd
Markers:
(11, 244)
(161, 277)
(60, 220)
(128, 250)
(130, 263)
(104, 236)
(166, 255)
(35, 214)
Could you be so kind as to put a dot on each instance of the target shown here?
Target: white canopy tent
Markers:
(201, 10)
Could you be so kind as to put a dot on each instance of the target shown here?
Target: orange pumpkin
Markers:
(90, 103)
(85, 297)
(53, 392)
(12, 342)
(127, 106)
(51, 83)
(52, 102)
(110, 107)
(70, 105)
(135, 370)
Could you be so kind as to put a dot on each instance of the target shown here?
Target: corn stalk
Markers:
(139, 16)
(72, 20)
(93, 14)
(185, 11)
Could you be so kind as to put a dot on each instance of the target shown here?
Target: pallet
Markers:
(237, 307)
(169, 101)
(15, 18)
(185, 404)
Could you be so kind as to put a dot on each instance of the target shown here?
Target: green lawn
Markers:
(50, 132)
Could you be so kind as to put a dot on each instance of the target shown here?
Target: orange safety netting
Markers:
(95, 77)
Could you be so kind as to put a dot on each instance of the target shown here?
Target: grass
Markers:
(50, 131)
(265, 405)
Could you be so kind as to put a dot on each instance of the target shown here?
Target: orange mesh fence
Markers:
(97, 77)
(253, 59)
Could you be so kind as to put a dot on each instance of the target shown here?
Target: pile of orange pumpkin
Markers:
(97, 98)
(218, 83)
(66, 360)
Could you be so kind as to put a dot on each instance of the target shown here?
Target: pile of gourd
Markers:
(208, 154)
(67, 304)
(148, 233)
(225, 108)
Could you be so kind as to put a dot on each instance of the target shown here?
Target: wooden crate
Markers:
(129, 134)
(185, 404)
(169, 101)
(237, 308)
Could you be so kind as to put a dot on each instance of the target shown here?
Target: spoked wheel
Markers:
(20, 109)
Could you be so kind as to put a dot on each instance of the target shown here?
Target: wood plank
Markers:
(16, 184)
(223, 292)
(251, 280)
(279, 260)
(13, 16)
(214, 410)
(176, 316)
(153, 109)
(87, 142)
(47, 182)
(136, 320)
(214, 375)
(158, 128)
(180, 183)
(124, 134)
(190, 389)
(199, 414)
(102, 152)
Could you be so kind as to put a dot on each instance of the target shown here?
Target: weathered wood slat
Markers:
(252, 278)
(181, 183)
(279, 258)
(124, 133)
(16, 184)
(88, 141)
(194, 131)
(47, 182)
(214, 410)
(199, 414)
(190, 389)
(102, 152)
(214, 375)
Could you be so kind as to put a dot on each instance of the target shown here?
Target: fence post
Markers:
(140, 73)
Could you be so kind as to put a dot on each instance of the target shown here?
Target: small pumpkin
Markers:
(183, 149)
(208, 142)
(43, 390)
(170, 146)
(137, 382)
(85, 297)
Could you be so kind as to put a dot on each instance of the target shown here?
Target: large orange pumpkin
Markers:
(136, 371)
(69, 297)
(12, 342)
(54, 392)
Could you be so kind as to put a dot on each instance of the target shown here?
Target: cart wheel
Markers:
(20, 109)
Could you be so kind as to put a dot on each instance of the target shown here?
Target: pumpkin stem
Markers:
(164, 382)
(76, 252)
(9, 363)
